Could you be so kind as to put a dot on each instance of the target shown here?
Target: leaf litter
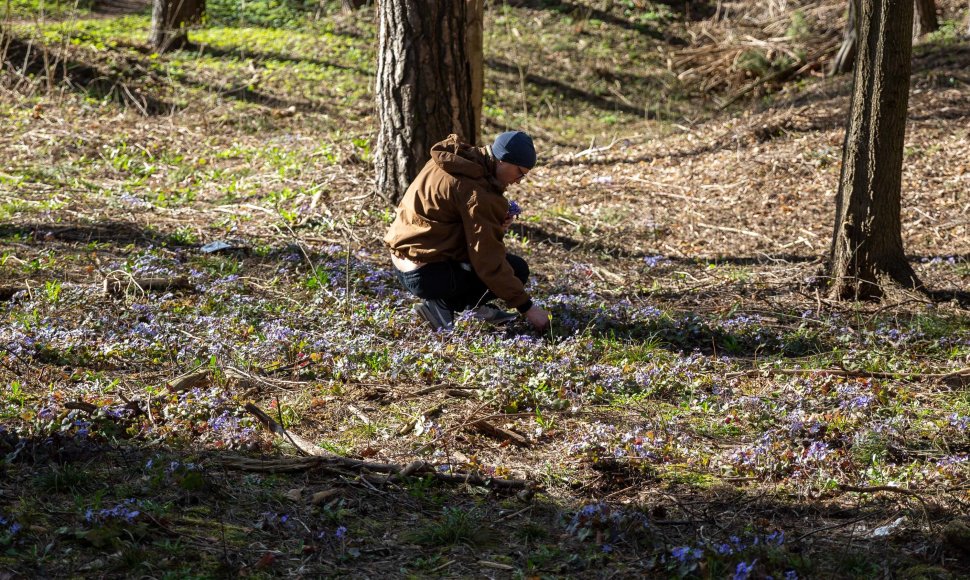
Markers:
(699, 408)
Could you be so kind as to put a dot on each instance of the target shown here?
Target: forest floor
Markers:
(190, 242)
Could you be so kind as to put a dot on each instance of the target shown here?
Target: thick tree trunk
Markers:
(424, 86)
(925, 21)
(170, 20)
(845, 57)
(867, 256)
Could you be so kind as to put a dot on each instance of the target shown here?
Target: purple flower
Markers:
(777, 538)
(514, 209)
(341, 533)
(122, 512)
(743, 570)
(684, 553)
(817, 451)
(958, 421)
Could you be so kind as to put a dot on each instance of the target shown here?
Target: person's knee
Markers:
(519, 266)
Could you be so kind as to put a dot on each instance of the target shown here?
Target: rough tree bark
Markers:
(925, 21)
(474, 49)
(170, 20)
(845, 57)
(425, 87)
(866, 257)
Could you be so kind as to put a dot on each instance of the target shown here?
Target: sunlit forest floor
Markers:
(190, 238)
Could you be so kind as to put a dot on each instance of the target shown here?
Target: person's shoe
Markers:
(493, 315)
(439, 318)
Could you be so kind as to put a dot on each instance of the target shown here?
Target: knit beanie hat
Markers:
(515, 147)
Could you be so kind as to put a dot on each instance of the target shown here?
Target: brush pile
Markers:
(760, 43)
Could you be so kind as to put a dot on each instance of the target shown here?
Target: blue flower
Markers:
(743, 570)
(777, 538)
(514, 209)
(685, 553)
(341, 533)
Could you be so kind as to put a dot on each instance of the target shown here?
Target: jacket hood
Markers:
(460, 159)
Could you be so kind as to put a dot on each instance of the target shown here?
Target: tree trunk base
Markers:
(879, 285)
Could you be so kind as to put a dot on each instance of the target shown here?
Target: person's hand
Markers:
(507, 223)
(539, 318)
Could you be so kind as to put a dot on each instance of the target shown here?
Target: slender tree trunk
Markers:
(925, 21)
(424, 86)
(845, 57)
(170, 20)
(867, 255)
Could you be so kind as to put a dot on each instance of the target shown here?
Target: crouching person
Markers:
(447, 237)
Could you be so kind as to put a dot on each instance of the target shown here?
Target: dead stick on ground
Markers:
(874, 489)
(892, 489)
(321, 458)
(296, 464)
(302, 445)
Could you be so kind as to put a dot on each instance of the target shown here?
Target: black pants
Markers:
(454, 285)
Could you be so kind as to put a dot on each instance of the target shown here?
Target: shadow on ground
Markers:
(79, 503)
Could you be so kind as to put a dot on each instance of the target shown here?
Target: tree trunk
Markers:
(845, 57)
(926, 21)
(424, 86)
(475, 41)
(867, 256)
(170, 21)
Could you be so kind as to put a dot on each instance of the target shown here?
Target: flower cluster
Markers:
(8, 529)
(124, 512)
(607, 524)
(687, 559)
(959, 422)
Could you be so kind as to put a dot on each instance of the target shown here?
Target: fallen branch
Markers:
(486, 428)
(360, 415)
(592, 150)
(242, 379)
(422, 468)
(190, 380)
(409, 425)
(892, 489)
(81, 406)
(302, 445)
(874, 489)
(322, 459)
